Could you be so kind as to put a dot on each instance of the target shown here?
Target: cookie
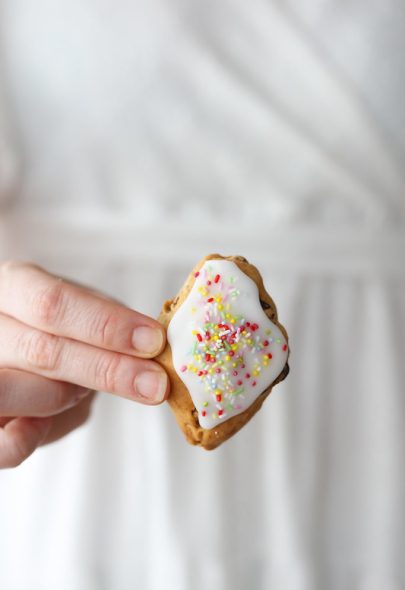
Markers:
(226, 349)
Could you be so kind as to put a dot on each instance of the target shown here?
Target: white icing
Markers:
(218, 352)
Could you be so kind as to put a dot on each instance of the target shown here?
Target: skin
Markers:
(59, 343)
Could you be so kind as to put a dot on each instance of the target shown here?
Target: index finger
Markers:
(30, 294)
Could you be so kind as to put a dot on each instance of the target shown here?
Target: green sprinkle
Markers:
(238, 391)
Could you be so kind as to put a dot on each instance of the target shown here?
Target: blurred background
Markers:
(137, 137)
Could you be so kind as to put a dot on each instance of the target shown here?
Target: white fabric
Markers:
(149, 134)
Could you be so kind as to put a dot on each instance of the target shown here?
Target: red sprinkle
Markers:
(217, 370)
(196, 274)
(270, 356)
(240, 382)
(207, 335)
(210, 300)
(253, 383)
(248, 324)
(235, 373)
(255, 327)
(219, 397)
(207, 357)
(220, 412)
(200, 373)
(285, 347)
(247, 375)
(208, 282)
(216, 279)
(199, 337)
(203, 413)
(231, 353)
(266, 343)
(243, 366)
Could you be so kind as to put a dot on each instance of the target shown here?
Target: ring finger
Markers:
(26, 394)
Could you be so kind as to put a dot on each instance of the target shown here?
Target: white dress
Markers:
(136, 138)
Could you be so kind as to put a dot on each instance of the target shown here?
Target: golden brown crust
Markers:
(180, 400)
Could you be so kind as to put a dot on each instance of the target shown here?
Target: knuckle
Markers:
(105, 329)
(48, 303)
(9, 266)
(41, 350)
(107, 371)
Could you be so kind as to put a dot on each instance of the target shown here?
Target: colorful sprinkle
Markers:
(229, 352)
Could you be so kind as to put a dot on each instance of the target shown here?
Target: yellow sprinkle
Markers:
(218, 392)
(234, 364)
(220, 307)
(255, 373)
(205, 404)
(227, 358)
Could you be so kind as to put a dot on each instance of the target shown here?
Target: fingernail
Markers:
(151, 385)
(147, 340)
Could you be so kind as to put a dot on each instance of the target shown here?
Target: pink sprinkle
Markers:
(285, 347)
(235, 373)
(196, 274)
(183, 368)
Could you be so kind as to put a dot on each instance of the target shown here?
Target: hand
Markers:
(59, 342)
